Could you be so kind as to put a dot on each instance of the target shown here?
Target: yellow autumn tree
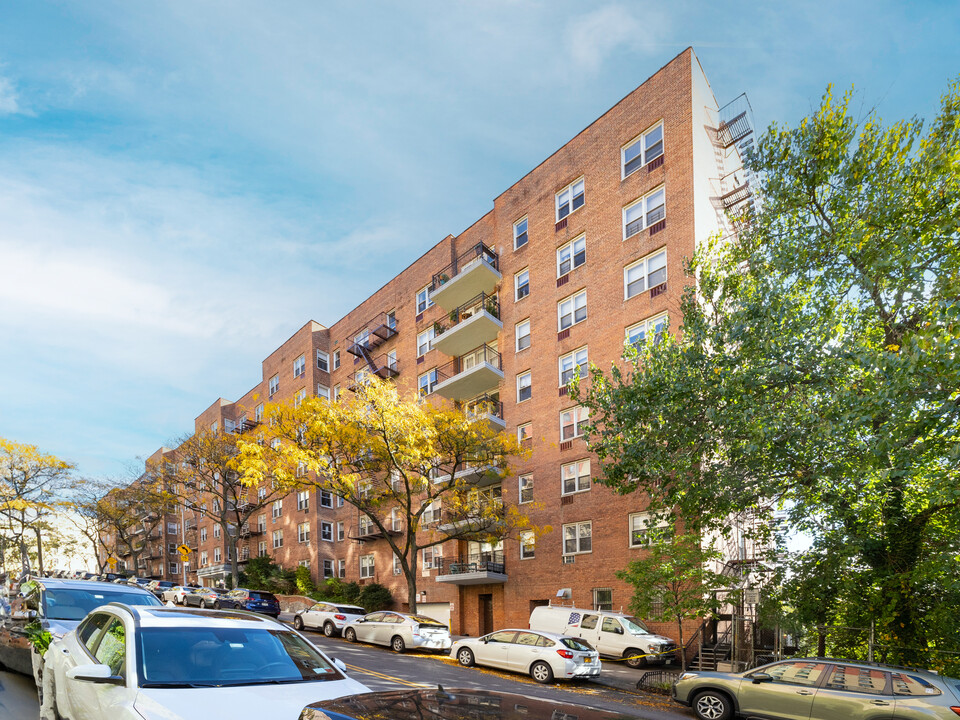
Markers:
(418, 474)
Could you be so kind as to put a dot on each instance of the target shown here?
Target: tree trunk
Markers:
(683, 649)
(39, 552)
(412, 584)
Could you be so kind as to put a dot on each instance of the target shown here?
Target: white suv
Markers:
(329, 617)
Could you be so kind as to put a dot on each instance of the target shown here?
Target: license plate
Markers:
(588, 660)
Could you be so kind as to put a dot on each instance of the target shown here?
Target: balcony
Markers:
(372, 335)
(476, 475)
(245, 425)
(475, 373)
(480, 569)
(384, 367)
(487, 516)
(475, 271)
(371, 532)
(486, 408)
(475, 322)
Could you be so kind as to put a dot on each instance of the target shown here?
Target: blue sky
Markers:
(184, 184)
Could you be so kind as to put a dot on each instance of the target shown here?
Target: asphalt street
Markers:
(18, 697)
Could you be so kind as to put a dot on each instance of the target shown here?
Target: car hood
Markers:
(278, 702)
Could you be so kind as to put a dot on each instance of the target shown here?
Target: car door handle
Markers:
(65, 651)
(879, 702)
(804, 692)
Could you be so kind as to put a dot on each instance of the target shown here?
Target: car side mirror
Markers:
(95, 673)
(761, 677)
(340, 664)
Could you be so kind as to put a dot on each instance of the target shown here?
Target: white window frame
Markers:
(300, 366)
(641, 332)
(577, 415)
(277, 537)
(204, 558)
(520, 231)
(569, 363)
(327, 569)
(427, 302)
(528, 545)
(426, 382)
(336, 359)
(523, 324)
(643, 265)
(274, 385)
(568, 252)
(397, 567)
(644, 212)
(425, 341)
(525, 486)
(258, 413)
(524, 382)
(578, 537)
(216, 531)
(299, 397)
(217, 555)
(323, 361)
(639, 526)
(574, 471)
(341, 531)
(323, 391)
(368, 566)
(203, 534)
(325, 498)
(517, 284)
(566, 198)
(326, 531)
(574, 303)
(336, 391)
(644, 152)
(524, 432)
(261, 548)
(303, 499)
(431, 555)
(277, 509)
(341, 568)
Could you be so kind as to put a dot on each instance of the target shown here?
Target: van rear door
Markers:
(588, 630)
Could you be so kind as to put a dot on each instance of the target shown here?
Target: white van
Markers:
(614, 635)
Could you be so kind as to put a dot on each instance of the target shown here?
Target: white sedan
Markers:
(399, 631)
(329, 617)
(137, 663)
(542, 655)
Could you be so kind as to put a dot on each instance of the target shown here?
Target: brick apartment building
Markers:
(579, 256)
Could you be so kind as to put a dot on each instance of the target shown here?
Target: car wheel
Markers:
(350, 634)
(635, 661)
(398, 644)
(329, 629)
(203, 604)
(712, 705)
(216, 604)
(465, 657)
(541, 672)
(298, 622)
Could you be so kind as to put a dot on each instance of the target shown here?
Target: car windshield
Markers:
(424, 620)
(576, 644)
(223, 656)
(74, 604)
(634, 626)
(254, 595)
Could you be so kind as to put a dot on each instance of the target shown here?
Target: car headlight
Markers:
(687, 676)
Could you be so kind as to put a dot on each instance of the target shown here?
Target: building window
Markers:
(528, 542)
(172, 528)
(336, 359)
(323, 361)
(397, 565)
(526, 488)
(521, 284)
(216, 531)
(336, 391)
(524, 432)
(572, 255)
(575, 476)
(341, 531)
(577, 538)
(261, 548)
(603, 599)
(171, 548)
(278, 538)
(643, 526)
(326, 531)
(646, 273)
(214, 427)
(432, 557)
(392, 359)
(323, 391)
(303, 533)
(277, 508)
(339, 501)
(432, 513)
(274, 385)
(572, 310)
(425, 341)
(366, 566)
(519, 233)
(572, 421)
(327, 569)
(427, 382)
(641, 150)
(326, 499)
(216, 555)
(341, 568)
(653, 328)
(524, 387)
(174, 568)
(569, 199)
(303, 500)
(203, 558)
(299, 366)
(262, 523)
(299, 397)
(258, 413)
(643, 213)
(523, 335)
(423, 299)
(203, 535)
(570, 363)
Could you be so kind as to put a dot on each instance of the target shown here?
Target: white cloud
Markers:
(9, 99)
(596, 35)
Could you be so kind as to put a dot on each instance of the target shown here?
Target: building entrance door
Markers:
(486, 613)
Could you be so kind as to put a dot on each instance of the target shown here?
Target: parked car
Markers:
(129, 663)
(258, 601)
(614, 635)
(60, 605)
(440, 704)
(177, 593)
(542, 655)
(158, 587)
(399, 631)
(205, 597)
(820, 688)
(329, 617)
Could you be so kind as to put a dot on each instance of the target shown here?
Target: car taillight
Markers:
(955, 709)
(565, 654)
(340, 617)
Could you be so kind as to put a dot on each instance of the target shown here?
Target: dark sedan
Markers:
(256, 601)
(206, 597)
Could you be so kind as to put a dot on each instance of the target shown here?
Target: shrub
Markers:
(304, 582)
(375, 597)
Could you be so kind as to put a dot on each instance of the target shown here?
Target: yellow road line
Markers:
(391, 678)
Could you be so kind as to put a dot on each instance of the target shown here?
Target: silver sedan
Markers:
(399, 631)
(542, 655)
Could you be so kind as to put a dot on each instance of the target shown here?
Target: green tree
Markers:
(818, 368)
